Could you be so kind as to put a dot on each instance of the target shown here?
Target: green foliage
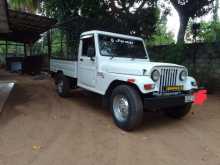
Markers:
(2, 47)
(208, 32)
(113, 15)
(161, 37)
(190, 9)
(193, 8)
(13, 48)
(24, 5)
(77, 16)
(2, 51)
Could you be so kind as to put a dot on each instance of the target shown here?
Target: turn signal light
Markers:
(131, 81)
(148, 86)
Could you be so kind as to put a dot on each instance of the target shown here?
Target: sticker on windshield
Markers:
(122, 41)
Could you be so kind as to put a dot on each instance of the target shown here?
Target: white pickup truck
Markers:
(118, 67)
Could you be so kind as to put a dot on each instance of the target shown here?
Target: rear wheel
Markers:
(63, 85)
(179, 112)
(127, 107)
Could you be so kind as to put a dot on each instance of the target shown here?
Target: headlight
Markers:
(155, 75)
(183, 75)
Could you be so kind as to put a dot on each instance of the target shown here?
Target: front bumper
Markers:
(159, 102)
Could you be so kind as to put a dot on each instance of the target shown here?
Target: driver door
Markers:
(87, 63)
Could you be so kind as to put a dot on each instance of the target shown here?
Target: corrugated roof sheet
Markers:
(22, 27)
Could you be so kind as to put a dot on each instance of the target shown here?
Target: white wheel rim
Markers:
(121, 108)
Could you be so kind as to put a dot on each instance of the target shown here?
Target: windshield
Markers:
(120, 47)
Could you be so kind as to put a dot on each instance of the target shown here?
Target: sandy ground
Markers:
(37, 127)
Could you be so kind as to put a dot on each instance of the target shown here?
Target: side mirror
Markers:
(91, 53)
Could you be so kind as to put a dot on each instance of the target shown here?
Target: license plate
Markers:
(174, 88)
(189, 99)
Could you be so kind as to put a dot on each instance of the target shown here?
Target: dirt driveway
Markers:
(39, 128)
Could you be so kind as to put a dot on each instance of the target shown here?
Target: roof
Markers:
(23, 27)
(111, 34)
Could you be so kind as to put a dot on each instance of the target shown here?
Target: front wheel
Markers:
(126, 107)
(179, 112)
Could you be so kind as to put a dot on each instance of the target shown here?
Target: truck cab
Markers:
(118, 67)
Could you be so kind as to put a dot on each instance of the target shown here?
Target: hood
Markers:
(132, 67)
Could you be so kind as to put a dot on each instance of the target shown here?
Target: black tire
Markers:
(56, 77)
(179, 112)
(63, 85)
(134, 116)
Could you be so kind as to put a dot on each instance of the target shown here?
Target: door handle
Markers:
(81, 59)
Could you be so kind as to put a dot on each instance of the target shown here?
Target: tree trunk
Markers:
(182, 31)
(215, 11)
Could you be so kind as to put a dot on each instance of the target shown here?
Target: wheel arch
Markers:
(116, 83)
(59, 72)
(134, 116)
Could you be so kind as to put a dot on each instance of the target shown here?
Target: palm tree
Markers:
(24, 5)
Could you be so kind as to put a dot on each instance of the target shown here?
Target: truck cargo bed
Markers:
(69, 68)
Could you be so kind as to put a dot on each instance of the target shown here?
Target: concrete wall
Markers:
(203, 61)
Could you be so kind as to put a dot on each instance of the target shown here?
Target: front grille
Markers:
(169, 76)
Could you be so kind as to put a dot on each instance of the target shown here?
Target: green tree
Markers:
(161, 35)
(208, 32)
(190, 9)
(122, 16)
(24, 5)
(113, 15)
